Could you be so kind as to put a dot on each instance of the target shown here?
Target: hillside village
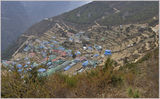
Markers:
(102, 49)
(63, 48)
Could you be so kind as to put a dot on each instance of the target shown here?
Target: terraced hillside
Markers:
(82, 54)
(104, 13)
(127, 42)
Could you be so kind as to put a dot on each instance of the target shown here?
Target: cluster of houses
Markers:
(51, 56)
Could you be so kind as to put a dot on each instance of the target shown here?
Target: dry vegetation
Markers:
(138, 79)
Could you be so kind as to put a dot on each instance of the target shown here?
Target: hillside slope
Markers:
(65, 56)
(138, 79)
(113, 12)
(102, 13)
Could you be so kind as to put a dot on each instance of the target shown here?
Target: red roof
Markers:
(54, 60)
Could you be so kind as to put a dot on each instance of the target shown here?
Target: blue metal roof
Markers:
(107, 52)
(67, 68)
(41, 70)
(19, 65)
(85, 63)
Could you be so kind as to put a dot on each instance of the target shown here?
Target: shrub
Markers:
(93, 73)
(130, 92)
(133, 94)
(18, 85)
(115, 79)
(129, 77)
(130, 65)
(70, 81)
(108, 64)
(136, 94)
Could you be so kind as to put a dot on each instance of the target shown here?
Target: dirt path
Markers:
(29, 37)
(116, 10)
(97, 23)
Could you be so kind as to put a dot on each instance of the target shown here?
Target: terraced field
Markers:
(128, 43)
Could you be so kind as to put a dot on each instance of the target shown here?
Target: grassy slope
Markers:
(136, 12)
(130, 12)
(132, 80)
